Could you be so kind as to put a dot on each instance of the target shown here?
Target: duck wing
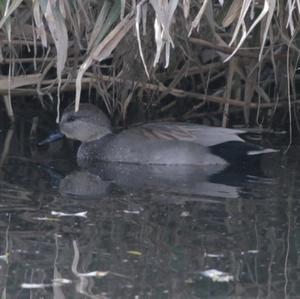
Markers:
(203, 135)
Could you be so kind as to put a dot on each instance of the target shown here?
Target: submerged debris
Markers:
(61, 214)
(217, 276)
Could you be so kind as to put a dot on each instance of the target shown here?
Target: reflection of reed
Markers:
(6, 147)
(174, 248)
(85, 281)
(4, 261)
(8, 105)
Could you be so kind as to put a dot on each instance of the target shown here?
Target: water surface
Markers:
(111, 231)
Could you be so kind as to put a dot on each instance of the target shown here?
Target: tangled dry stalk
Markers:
(181, 59)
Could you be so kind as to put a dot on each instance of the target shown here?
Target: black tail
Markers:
(235, 152)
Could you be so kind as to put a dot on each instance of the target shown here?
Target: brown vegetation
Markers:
(174, 59)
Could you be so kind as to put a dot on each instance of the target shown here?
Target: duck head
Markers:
(86, 125)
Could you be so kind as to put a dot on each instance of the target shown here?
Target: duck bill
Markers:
(51, 138)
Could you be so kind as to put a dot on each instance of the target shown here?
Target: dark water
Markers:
(145, 232)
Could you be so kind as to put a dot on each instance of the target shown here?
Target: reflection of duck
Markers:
(100, 178)
(154, 143)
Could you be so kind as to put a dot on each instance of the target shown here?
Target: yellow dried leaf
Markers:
(133, 252)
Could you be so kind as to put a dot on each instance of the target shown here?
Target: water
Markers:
(113, 231)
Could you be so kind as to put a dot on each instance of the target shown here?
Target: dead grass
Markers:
(173, 58)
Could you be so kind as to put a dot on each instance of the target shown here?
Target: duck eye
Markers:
(71, 118)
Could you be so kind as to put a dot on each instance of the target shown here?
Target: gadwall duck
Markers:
(154, 143)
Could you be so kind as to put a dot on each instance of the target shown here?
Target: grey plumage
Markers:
(150, 143)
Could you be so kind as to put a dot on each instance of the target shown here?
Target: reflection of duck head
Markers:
(154, 143)
(84, 185)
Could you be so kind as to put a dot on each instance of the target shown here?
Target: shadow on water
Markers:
(126, 231)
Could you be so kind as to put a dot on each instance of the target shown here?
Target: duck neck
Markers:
(100, 134)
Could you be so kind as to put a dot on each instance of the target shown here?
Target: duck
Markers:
(157, 143)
